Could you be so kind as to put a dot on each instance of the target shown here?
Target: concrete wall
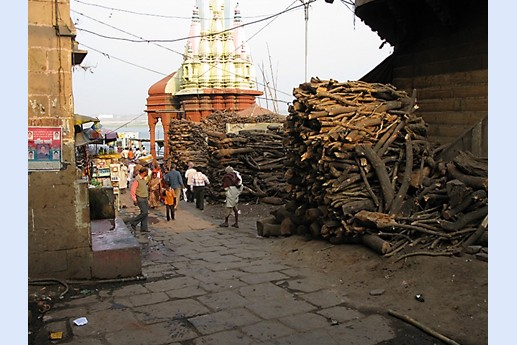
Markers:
(59, 240)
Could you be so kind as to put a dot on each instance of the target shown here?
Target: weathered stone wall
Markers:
(59, 240)
(441, 50)
(450, 73)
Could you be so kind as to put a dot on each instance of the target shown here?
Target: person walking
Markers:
(173, 178)
(188, 175)
(232, 185)
(199, 183)
(130, 154)
(125, 155)
(169, 199)
(140, 194)
(138, 153)
(154, 190)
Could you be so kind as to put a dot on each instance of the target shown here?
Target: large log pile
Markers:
(187, 142)
(360, 169)
(256, 154)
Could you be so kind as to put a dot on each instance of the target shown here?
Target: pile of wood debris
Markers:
(360, 169)
(256, 154)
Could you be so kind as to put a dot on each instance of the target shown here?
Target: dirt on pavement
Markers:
(454, 290)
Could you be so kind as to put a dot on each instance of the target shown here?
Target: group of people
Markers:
(151, 191)
(133, 153)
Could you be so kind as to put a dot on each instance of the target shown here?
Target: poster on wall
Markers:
(45, 148)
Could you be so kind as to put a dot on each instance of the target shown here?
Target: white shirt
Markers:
(189, 174)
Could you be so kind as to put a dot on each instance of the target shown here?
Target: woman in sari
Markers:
(154, 190)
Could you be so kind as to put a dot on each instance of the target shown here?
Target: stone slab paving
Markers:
(211, 285)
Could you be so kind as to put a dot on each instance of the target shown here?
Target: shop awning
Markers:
(100, 135)
(82, 119)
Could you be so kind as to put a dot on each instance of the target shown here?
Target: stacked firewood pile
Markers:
(187, 142)
(360, 169)
(256, 154)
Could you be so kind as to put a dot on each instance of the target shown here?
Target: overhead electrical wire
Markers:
(273, 17)
(158, 45)
(199, 36)
(147, 14)
(109, 56)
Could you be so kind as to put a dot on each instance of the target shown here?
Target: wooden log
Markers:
(435, 199)
(401, 194)
(354, 206)
(324, 210)
(477, 234)
(375, 243)
(228, 152)
(262, 222)
(340, 99)
(449, 214)
(291, 205)
(218, 135)
(471, 165)
(483, 239)
(424, 328)
(302, 229)
(380, 170)
(476, 182)
(340, 109)
(315, 229)
(272, 200)
(271, 230)
(281, 213)
(287, 227)
(367, 184)
(387, 133)
(299, 213)
(457, 192)
(377, 219)
(464, 219)
(390, 139)
(383, 221)
(311, 214)
(417, 177)
(325, 231)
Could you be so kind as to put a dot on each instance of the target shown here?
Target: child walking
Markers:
(169, 199)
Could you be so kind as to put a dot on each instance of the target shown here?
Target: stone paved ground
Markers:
(210, 285)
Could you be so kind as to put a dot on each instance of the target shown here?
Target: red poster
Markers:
(44, 148)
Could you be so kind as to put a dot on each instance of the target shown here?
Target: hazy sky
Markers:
(115, 76)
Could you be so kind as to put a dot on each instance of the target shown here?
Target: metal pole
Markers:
(306, 10)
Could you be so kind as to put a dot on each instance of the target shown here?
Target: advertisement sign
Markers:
(45, 148)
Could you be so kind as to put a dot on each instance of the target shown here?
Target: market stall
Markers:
(98, 158)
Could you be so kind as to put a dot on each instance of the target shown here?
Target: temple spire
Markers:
(216, 57)
(195, 31)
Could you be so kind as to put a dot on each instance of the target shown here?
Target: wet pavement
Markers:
(210, 285)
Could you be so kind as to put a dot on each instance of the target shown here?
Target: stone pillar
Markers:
(152, 119)
(166, 123)
(59, 237)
